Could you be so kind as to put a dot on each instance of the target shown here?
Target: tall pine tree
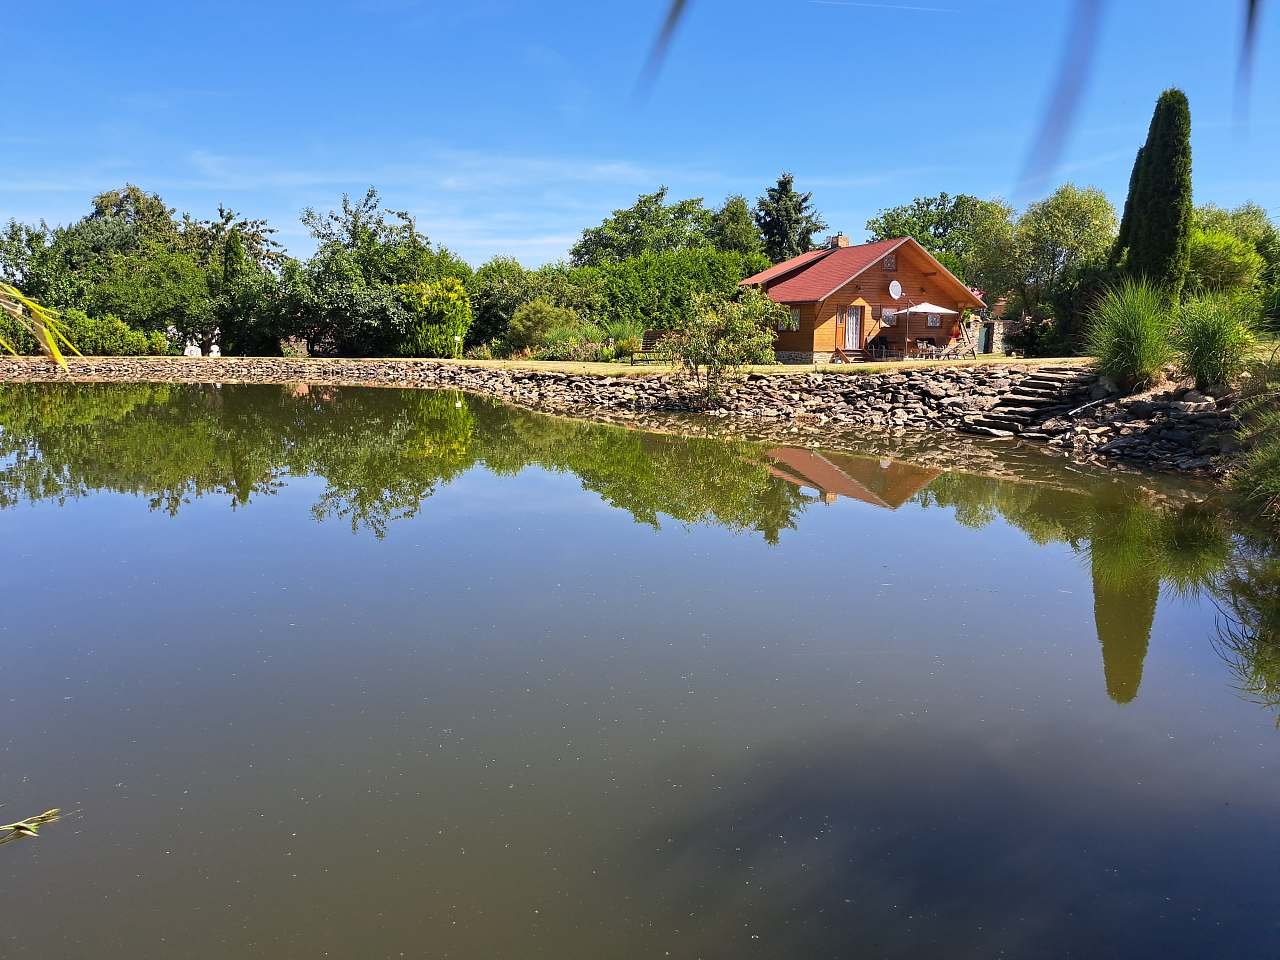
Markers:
(1155, 232)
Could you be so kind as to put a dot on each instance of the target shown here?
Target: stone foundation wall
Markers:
(802, 357)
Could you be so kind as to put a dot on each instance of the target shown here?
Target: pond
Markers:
(374, 673)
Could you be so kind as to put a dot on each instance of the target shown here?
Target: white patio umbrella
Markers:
(925, 307)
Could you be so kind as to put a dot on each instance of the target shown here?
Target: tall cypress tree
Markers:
(1156, 229)
(1121, 245)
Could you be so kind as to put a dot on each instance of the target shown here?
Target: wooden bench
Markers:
(650, 348)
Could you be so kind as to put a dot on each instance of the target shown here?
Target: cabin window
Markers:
(888, 317)
(891, 263)
(793, 323)
(935, 320)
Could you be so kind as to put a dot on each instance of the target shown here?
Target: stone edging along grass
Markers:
(916, 397)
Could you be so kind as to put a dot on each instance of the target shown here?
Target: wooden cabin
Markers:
(842, 306)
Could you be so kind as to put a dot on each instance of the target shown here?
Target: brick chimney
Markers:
(837, 240)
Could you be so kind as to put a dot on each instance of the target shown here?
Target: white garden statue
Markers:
(215, 351)
(191, 350)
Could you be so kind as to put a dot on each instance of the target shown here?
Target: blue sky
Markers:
(509, 126)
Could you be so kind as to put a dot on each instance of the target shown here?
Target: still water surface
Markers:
(367, 673)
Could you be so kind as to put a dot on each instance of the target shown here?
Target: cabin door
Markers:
(853, 328)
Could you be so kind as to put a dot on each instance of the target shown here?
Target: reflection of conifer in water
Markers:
(1123, 614)
(1133, 548)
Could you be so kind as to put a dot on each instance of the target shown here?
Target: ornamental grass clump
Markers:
(1214, 336)
(1257, 478)
(1129, 333)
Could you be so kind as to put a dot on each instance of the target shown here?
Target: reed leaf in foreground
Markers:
(41, 322)
(29, 827)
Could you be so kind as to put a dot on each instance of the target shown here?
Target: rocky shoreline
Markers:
(1064, 410)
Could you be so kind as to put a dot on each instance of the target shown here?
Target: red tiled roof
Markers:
(826, 276)
(816, 275)
(786, 266)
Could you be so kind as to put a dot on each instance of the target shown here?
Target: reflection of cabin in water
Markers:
(879, 482)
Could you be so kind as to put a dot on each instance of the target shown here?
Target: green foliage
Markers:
(650, 225)
(157, 289)
(1129, 333)
(532, 321)
(722, 336)
(1220, 260)
(972, 237)
(1214, 336)
(1068, 231)
(498, 288)
(1155, 232)
(346, 300)
(1071, 304)
(787, 220)
(570, 338)
(1257, 478)
(110, 337)
(106, 336)
(655, 291)
(441, 316)
(733, 229)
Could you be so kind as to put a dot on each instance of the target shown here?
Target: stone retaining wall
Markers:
(896, 402)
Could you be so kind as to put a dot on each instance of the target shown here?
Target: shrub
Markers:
(441, 316)
(723, 335)
(1129, 333)
(574, 340)
(616, 330)
(1222, 261)
(1214, 337)
(627, 346)
(531, 322)
(1257, 478)
(481, 351)
(106, 336)
(656, 291)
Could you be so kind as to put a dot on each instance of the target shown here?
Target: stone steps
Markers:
(1044, 394)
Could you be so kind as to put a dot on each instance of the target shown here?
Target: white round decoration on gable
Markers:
(895, 289)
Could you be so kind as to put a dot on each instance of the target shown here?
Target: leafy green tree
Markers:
(1069, 230)
(787, 220)
(346, 300)
(972, 237)
(650, 225)
(441, 313)
(497, 290)
(1218, 260)
(721, 336)
(1250, 224)
(158, 289)
(733, 229)
(656, 291)
(1154, 237)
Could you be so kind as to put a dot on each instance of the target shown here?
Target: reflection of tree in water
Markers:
(381, 452)
(1247, 591)
(1133, 547)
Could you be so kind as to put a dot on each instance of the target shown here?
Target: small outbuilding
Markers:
(880, 300)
